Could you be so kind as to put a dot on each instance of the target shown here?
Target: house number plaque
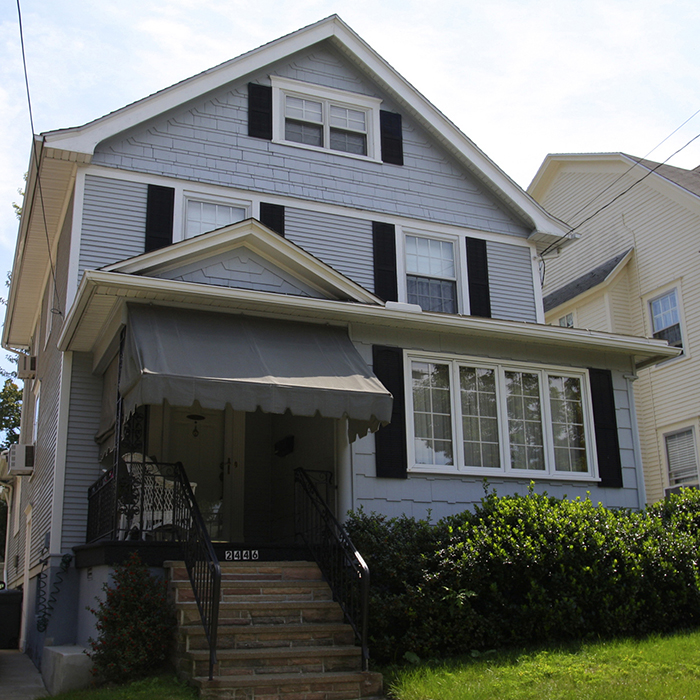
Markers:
(241, 555)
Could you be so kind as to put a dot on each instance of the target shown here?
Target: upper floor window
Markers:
(431, 277)
(567, 321)
(665, 318)
(326, 119)
(489, 418)
(682, 458)
(207, 216)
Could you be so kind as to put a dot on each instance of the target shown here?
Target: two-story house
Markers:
(634, 270)
(292, 260)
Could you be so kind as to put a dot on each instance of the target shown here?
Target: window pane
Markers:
(304, 110)
(479, 420)
(566, 405)
(427, 256)
(309, 134)
(432, 294)
(432, 414)
(524, 420)
(682, 459)
(665, 319)
(347, 118)
(204, 216)
(348, 142)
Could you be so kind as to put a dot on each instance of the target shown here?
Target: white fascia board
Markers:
(191, 295)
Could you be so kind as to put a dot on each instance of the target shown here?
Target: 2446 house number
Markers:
(241, 555)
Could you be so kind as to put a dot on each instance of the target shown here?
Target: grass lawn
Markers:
(657, 668)
(164, 687)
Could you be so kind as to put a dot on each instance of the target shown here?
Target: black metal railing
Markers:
(140, 499)
(200, 559)
(340, 562)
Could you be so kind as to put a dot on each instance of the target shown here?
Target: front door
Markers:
(210, 445)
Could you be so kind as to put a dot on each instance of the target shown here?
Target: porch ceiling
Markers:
(102, 296)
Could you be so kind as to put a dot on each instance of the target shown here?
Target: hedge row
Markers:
(529, 569)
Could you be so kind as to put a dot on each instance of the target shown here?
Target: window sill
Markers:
(327, 151)
(530, 474)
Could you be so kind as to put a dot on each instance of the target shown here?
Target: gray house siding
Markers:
(511, 282)
(114, 222)
(82, 462)
(207, 142)
(342, 242)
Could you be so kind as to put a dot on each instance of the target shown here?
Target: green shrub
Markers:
(529, 569)
(136, 624)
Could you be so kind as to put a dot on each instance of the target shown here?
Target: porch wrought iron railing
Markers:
(337, 557)
(147, 501)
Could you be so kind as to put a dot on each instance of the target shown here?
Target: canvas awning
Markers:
(182, 356)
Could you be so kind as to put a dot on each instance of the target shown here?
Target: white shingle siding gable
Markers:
(208, 143)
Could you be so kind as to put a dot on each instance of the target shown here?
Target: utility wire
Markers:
(634, 165)
(56, 309)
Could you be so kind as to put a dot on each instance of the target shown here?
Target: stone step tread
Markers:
(196, 628)
(287, 679)
(277, 652)
(273, 605)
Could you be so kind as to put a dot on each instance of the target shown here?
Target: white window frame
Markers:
(566, 318)
(283, 87)
(678, 431)
(505, 470)
(657, 294)
(36, 391)
(459, 246)
(191, 196)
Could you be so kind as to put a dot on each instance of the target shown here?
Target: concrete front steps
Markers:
(281, 637)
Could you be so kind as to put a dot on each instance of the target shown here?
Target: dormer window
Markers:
(323, 118)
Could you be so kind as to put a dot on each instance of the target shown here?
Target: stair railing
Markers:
(200, 558)
(341, 564)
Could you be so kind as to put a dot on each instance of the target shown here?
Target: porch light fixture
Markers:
(195, 417)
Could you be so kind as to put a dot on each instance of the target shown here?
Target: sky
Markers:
(521, 78)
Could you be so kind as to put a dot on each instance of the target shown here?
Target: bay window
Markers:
(485, 418)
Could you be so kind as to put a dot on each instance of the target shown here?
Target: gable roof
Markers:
(586, 282)
(253, 236)
(56, 156)
(84, 139)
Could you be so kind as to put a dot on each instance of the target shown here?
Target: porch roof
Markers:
(185, 356)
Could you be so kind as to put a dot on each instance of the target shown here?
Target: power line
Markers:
(56, 310)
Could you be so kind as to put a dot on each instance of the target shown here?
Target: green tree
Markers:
(10, 412)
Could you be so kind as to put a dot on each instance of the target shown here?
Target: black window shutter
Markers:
(390, 440)
(159, 217)
(605, 422)
(272, 215)
(384, 251)
(478, 274)
(391, 137)
(260, 111)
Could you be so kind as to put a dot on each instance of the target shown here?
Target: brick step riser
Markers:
(306, 689)
(267, 616)
(277, 639)
(302, 664)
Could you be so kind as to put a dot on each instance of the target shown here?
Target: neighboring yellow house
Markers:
(635, 269)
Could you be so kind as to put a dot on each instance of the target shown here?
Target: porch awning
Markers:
(183, 356)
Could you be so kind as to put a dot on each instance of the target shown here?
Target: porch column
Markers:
(344, 471)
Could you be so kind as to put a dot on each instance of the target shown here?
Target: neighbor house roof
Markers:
(687, 179)
(585, 282)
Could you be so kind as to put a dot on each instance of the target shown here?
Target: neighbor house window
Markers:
(478, 417)
(325, 118)
(665, 318)
(567, 321)
(682, 458)
(431, 277)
